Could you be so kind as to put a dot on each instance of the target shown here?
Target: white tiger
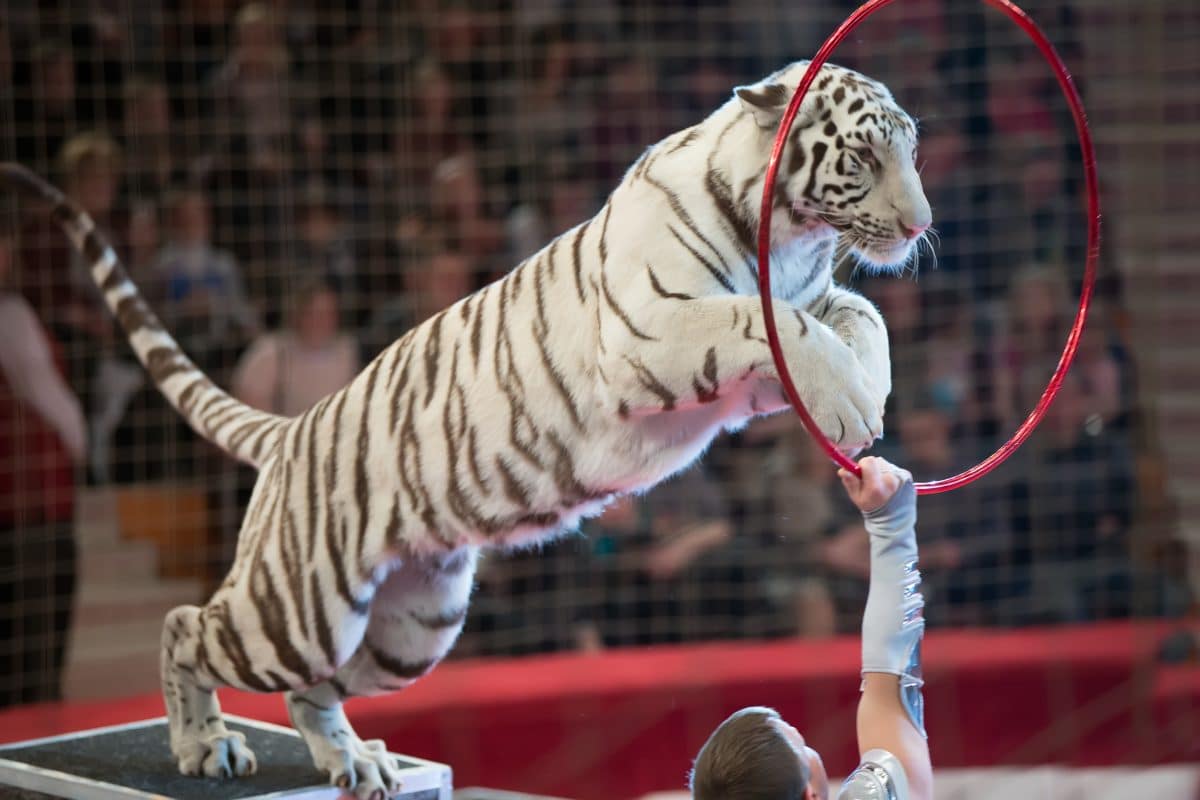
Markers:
(597, 367)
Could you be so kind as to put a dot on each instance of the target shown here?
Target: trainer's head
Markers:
(755, 755)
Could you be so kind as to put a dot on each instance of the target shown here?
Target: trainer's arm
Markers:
(890, 712)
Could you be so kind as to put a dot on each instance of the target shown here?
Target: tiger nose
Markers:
(913, 230)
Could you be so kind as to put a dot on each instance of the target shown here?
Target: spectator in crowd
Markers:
(1033, 211)
(706, 86)
(777, 480)
(151, 164)
(553, 110)
(633, 118)
(1079, 489)
(323, 248)
(49, 109)
(1018, 89)
(428, 135)
(253, 88)
(42, 440)
(1040, 311)
(563, 200)
(943, 161)
(652, 566)
(460, 215)
(204, 302)
(195, 38)
(316, 165)
(433, 274)
(287, 372)
(250, 150)
(54, 277)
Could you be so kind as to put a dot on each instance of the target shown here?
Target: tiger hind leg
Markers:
(415, 618)
(249, 637)
(200, 742)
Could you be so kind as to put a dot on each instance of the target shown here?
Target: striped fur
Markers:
(599, 366)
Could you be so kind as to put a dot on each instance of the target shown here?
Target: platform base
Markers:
(134, 761)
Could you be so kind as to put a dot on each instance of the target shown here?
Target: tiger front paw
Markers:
(843, 401)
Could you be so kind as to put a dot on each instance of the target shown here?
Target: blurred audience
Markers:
(362, 172)
(1079, 508)
(43, 439)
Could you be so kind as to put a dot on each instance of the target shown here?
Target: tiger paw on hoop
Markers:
(841, 395)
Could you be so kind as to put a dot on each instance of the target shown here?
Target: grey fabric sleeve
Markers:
(893, 621)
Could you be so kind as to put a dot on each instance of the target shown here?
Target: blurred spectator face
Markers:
(556, 69)
(1066, 415)
(708, 85)
(320, 224)
(570, 203)
(143, 233)
(91, 166)
(313, 140)
(440, 282)
(258, 47)
(925, 436)
(1014, 100)
(94, 186)
(149, 111)
(1042, 177)
(941, 156)
(456, 36)
(457, 193)
(435, 94)
(1036, 304)
(56, 80)
(318, 319)
(192, 220)
(631, 83)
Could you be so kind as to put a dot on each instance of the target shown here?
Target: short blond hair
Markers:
(88, 150)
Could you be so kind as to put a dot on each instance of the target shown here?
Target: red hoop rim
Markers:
(1089, 278)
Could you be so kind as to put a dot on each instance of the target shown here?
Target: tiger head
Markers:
(848, 165)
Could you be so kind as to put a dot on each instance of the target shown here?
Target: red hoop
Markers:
(1089, 277)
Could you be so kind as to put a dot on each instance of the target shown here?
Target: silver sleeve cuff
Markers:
(879, 776)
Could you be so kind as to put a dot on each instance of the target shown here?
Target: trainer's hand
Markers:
(878, 483)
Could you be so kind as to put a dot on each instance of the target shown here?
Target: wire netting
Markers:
(296, 184)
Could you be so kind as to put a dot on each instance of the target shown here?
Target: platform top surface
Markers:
(139, 757)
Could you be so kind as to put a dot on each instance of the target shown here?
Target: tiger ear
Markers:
(766, 101)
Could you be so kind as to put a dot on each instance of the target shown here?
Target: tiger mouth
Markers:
(892, 254)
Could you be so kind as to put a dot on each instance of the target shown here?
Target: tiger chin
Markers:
(599, 366)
